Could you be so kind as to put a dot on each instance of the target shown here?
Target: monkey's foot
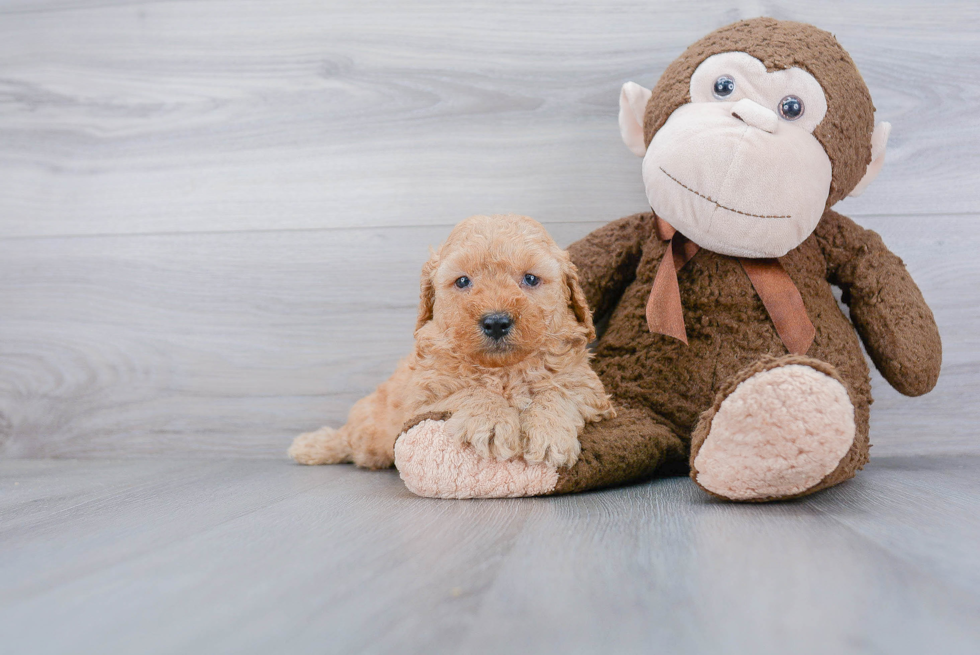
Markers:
(779, 430)
(433, 464)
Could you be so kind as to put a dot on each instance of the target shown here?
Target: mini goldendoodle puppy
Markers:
(500, 344)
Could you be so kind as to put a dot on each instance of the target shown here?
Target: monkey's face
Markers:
(752, 133)
(738, 170)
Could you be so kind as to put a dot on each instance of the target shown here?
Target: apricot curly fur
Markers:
(529, 394)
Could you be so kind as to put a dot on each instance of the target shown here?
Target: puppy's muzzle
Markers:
(496, 325)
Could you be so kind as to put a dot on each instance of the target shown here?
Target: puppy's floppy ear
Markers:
(576, 298)
(427, 295)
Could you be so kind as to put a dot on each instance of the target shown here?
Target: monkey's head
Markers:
(752, 133)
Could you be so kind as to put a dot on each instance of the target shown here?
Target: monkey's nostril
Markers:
(497, 325)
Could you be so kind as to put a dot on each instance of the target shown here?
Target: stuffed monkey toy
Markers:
(726, 354)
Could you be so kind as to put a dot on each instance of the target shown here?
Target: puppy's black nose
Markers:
(496, 326)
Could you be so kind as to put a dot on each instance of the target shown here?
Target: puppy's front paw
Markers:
(494, 433)
(549, 438)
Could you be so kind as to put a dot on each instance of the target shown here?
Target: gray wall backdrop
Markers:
(213, 214)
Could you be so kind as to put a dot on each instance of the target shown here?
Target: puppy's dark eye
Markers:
(463, 282)
(531, 280)
(723, 87)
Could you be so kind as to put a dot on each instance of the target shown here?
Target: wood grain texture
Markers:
(213, 214)
(255, 557)
(147, 117)
(212, 220)
(230, 344)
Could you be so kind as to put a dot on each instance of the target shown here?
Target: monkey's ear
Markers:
(632, 105)
(427, 293)
(879, 141)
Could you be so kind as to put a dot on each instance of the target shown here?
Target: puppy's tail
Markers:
(324, 446)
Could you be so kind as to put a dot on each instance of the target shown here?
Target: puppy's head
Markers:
(500, 289)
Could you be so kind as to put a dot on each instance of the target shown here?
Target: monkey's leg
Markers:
(633, 445)
(782, 428)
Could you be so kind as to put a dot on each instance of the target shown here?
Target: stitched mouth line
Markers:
(715, 202)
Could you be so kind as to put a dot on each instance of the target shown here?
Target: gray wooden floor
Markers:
(212, 219)
(246, 556)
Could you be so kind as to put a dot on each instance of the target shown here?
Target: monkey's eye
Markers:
(724, 87)
(531, 280)
(791, 108)
(462, 282)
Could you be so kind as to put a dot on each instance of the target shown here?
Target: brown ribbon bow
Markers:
(782, 299)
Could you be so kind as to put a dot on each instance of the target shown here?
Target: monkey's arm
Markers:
(894, 321)
(607, 259)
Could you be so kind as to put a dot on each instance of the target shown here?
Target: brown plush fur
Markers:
(529, 394)
(669, 393)
(669, 385)
(845, 132)
(855, 458)
(668, 390)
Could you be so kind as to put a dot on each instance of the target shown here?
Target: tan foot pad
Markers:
(434, 465)
(778, 434)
